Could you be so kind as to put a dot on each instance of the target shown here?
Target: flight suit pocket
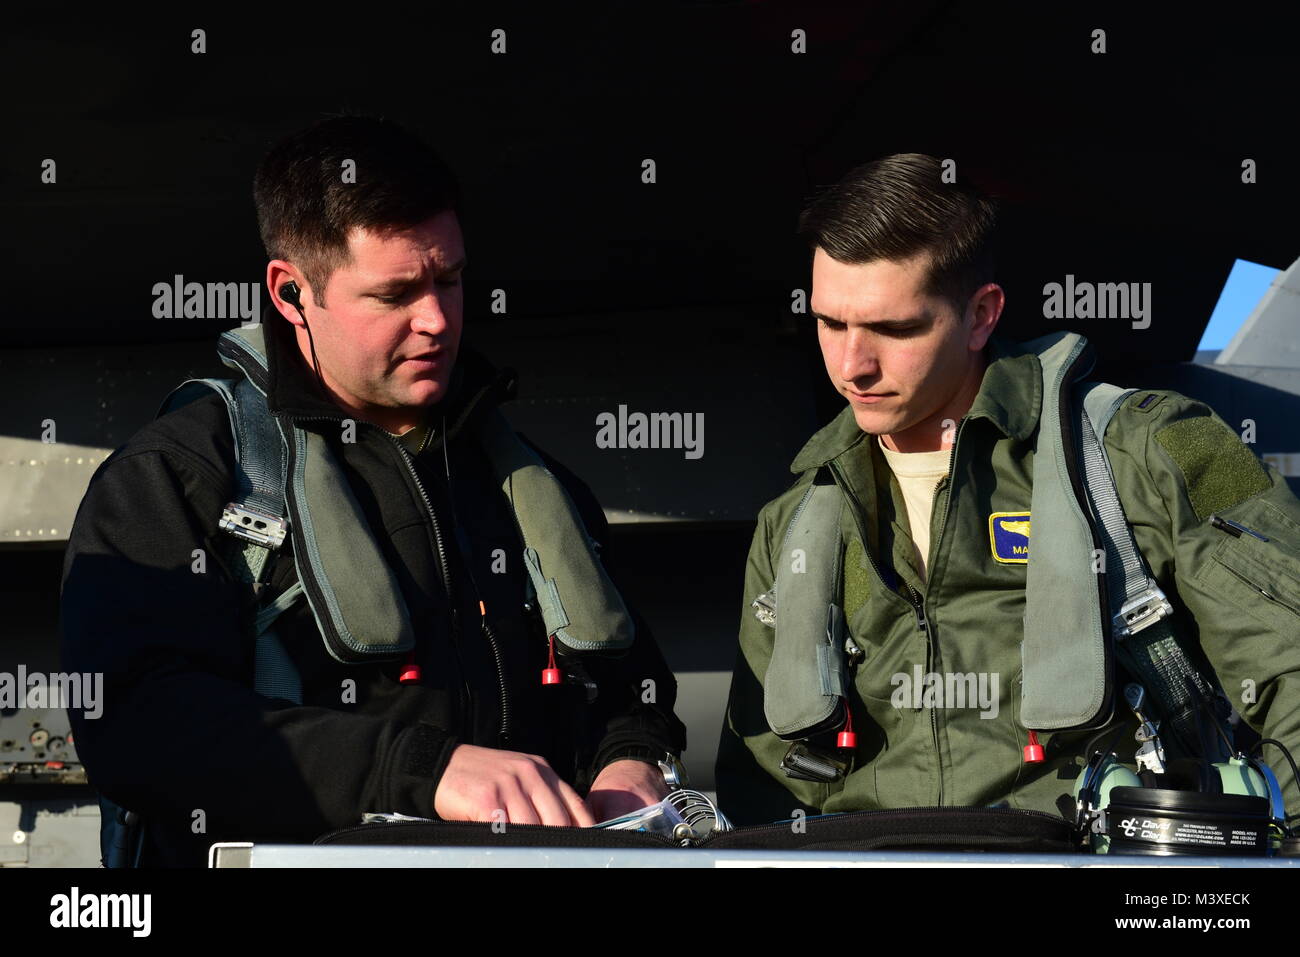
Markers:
(1260, 577)
(887, 748)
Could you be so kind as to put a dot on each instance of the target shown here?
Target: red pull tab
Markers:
(1033, 750)
(550, 674)
(410, 671)
(846, 738)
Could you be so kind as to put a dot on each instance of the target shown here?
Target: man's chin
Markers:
(874, 423)
(426, 392)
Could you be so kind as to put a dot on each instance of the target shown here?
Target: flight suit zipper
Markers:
(916, 600)
(913, 599)
(922, 622)
(932, 647)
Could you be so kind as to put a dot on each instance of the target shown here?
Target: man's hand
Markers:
(625, 786)
(481, 781)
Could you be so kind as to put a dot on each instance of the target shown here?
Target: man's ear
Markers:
(280, 274)
(984, 309)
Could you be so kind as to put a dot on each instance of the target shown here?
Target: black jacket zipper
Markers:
(485, 628)
(439, 546)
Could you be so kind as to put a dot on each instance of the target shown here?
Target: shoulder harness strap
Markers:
(1141, 623)
(256, 518)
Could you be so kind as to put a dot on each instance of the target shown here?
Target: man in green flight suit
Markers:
(934, 457)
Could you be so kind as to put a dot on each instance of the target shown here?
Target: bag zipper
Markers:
(953, 810)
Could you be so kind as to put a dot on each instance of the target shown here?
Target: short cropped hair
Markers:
(306, 209)
(897, 207)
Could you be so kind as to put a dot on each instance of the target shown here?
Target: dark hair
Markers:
(305, 209)
(896, 207)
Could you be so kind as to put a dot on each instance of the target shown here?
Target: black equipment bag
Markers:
(951, 829)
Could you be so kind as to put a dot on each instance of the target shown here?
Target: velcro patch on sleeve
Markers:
(1218, 469)
(857, 584)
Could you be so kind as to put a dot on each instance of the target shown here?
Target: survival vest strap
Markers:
(1065, 684)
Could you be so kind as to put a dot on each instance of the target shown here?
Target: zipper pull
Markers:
(918, 607)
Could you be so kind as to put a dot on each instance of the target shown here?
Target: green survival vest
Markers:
(290, 483)
(1077, 608)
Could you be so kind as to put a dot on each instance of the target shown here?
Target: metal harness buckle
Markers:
(253, 525)
(1142, 612)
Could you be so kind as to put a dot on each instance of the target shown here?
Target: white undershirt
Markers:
(918, 473)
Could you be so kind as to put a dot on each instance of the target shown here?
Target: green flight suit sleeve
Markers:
(752, 788)
(1242, 591)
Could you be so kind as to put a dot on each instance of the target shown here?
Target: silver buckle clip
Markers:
(252, 525)
(1142, 612)
(765, 607)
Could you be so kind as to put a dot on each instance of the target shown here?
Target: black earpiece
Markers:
(291, 294)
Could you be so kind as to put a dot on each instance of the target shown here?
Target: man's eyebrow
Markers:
(878, 323)
(401, 282)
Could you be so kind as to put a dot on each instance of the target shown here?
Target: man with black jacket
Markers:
(365, 272)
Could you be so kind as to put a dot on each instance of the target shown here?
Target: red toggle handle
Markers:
(551, 675)
(1033, 750)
